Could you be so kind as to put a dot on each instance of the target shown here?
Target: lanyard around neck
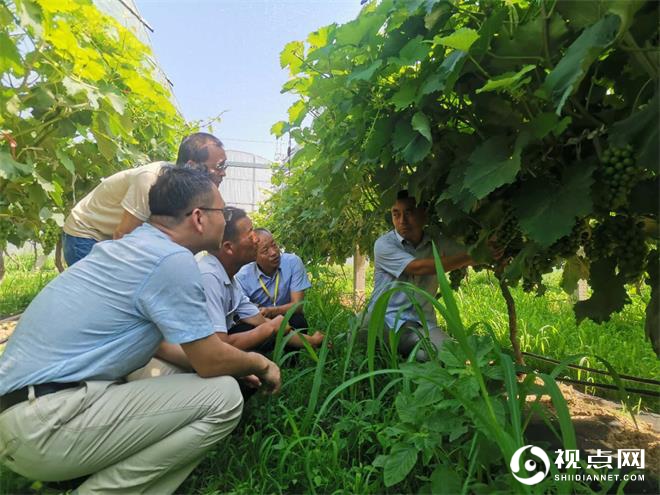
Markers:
(267, 292)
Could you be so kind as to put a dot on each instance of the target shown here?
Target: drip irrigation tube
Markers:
(629, 378)
(649, 393)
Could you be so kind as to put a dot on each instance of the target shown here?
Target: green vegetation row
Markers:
(531, 124)
(79, 100)
(329, 433)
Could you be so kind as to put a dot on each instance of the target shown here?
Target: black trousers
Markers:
(297, 321)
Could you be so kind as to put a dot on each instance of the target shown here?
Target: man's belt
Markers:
(20, 395)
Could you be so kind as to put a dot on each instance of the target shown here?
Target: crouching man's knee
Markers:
(226, 403)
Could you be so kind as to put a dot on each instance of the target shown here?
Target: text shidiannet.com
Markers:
(599, 477)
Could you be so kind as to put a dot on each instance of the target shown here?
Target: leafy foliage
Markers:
(504, 116)
(79, 100)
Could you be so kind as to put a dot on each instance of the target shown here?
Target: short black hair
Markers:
(403, 194)
(177, 190)
(194, 148)
(231, 230)
(262, 230)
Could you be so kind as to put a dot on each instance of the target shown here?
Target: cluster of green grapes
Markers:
(508, 236)
(456, 277)
(50, 234)
(621, 237)
(568, 245)
(619, 173)
(533, 271)
(6, 230)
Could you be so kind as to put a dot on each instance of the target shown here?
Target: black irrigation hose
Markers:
(629, 378)
(649, 393)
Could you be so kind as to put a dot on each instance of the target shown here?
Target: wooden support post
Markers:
(359, 276)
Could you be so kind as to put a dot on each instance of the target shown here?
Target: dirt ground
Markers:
(602, 424)
(6, 328)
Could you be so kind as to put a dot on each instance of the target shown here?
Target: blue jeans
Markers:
(76, 248)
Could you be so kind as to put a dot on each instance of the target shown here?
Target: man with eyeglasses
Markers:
(119, 204)
(275, 281)
(65, 410)
(237, 320)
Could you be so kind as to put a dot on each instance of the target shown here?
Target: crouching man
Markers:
(64, 410)
(237, 320)
(405, 254)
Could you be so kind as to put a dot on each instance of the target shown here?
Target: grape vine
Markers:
(78, 101)
(529, 124)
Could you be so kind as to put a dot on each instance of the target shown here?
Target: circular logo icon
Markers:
(530, 465)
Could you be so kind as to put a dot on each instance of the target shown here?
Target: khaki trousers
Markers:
(144, 436)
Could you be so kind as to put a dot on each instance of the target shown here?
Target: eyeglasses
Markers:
(227, 212)
(220, 167)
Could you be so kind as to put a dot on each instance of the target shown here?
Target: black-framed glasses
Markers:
(227, 212)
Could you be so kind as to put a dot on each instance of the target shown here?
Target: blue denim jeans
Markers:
(76, 248)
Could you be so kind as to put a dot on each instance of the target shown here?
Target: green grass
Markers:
(547, 325)
(327, 433)
(22, 281)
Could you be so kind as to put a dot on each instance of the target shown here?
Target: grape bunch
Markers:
(508, 236)
(6, 230)
(568, 245)
(533, 271)
(456, 277)
(50, 234)
(619, 173)
(621, 237)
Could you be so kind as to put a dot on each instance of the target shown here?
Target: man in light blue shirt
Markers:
(405, 254)
(275, 281)
(237, 320)
(65, 411)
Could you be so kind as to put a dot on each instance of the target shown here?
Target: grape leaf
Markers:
(492, 164)
(9, 57)
(567, 74)
(609, 293)
(547, 213)
(404, 134)
(446, 75)
(413, 51)
(421, 124)
(365, 73)
(507, 81)
(378, 138)
(461, 39)
(406, 95)
(575, 269)
(292, 56)
(9, 167)
(416, 150)
(641, 131)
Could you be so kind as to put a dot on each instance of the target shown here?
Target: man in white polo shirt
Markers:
(120, 203)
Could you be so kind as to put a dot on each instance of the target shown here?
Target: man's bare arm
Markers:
(426, 266)
(211, 357)
(296, 297)
(127, 225)
(251, 339)
(173, 353)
